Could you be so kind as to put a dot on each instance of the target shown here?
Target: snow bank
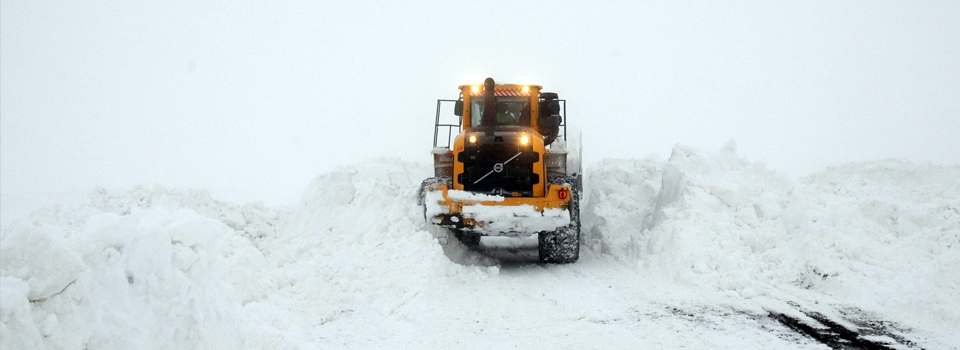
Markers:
(148, 268)
(47, 266)
(17, 328)
(358, 240)
(878, 235)
(158, 268)
(351, 264)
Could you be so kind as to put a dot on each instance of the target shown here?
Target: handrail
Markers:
(563, 121)
(437, 125)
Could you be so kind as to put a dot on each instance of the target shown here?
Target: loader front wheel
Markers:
(469, 239)
(561, 246)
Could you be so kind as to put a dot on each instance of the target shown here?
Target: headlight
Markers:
(524, 140)
(526, 89)
(473, 139)
(475, 88)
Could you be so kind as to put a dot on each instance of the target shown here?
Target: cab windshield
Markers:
(511, 110)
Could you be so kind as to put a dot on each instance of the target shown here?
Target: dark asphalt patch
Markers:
(837, 336)
(870, 331)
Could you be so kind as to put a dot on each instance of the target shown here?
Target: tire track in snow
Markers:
(836, 336)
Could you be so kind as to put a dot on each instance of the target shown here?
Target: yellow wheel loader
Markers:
(504, 170)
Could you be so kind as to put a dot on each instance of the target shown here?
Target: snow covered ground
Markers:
(702, 250)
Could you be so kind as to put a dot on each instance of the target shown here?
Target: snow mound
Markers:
(352, 264)
(159, 268)
(148, 268)
(47, 266)
(358, 239)
(17, 329)
(878, 235)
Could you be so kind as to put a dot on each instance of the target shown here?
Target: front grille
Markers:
(482, 161)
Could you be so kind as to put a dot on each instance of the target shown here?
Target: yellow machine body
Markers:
(543, 196)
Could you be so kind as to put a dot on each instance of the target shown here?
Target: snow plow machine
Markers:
(508, 170)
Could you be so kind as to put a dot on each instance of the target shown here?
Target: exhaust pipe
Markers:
(489, 118)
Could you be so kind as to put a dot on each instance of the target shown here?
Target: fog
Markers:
(255, 101)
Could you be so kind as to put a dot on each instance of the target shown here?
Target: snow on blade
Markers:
(472, 197)
(516, 220)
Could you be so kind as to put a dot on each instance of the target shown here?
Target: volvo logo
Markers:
(498, 167)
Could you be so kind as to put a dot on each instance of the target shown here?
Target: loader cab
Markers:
(515, 105)
(511, 110)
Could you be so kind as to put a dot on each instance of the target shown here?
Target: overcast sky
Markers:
(260, 99)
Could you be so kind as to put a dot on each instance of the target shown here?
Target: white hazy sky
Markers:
(260, 98)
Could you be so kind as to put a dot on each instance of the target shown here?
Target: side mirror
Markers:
(458, 108)
(549, 120)
(554, 107)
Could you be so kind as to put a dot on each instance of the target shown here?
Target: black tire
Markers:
(469, 239)
(562, 246)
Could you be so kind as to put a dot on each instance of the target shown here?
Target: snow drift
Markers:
(157, 268)
(149, 268)
(880, 236)
(352, 263)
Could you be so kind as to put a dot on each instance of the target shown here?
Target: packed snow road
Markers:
(703, 250)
